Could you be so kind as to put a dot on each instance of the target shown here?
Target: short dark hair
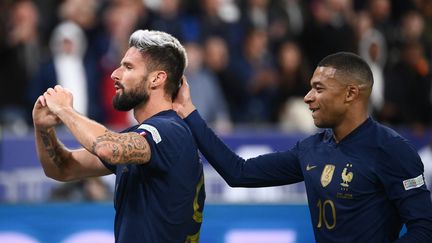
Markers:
(350, 66)
(162, 51)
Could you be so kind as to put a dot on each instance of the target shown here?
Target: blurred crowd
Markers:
(250, 61)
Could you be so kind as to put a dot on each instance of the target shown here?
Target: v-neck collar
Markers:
(329, 135)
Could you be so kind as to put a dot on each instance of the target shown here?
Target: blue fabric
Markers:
(155, 202)
(355, 188)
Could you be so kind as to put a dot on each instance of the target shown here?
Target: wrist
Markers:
(64, 111)
(185, 110)
(45, 129)
(188, 110)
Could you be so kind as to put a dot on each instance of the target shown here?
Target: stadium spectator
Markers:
(217, 18)
(169, 19)
(84, 13)
(21, 51)
(66, 67)
(293, 74)
(328, 30)
(319, 27)
(372, 47)
(206, 91)
(255, 72)
(408, 89)
(288, 17)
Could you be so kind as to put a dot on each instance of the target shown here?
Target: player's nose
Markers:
(308, 98)
(116, 75)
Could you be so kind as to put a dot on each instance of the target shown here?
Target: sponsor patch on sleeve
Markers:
(154, 132)
(413, 183)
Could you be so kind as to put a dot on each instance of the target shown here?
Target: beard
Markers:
(125, 101)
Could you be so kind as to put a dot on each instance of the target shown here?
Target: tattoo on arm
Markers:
(124, 148)
(53, 148)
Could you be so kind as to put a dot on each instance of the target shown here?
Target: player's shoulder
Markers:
(130, 129)
(386, 136)
(315, 139)
(165, 123)
(391, 142)
(164, 117)
(165, 120)
(395, 153)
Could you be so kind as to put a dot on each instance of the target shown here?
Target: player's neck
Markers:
(348, 125)
(154, 105)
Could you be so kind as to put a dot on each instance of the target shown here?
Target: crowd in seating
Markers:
(250, 61)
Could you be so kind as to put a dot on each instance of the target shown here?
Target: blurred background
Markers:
(250, 62)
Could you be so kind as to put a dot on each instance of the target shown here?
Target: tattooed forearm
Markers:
(122, 148)
(53, 148)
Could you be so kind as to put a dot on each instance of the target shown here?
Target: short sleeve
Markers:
(163, 146)
(110, 167)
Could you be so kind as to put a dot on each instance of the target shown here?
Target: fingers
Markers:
(45, 95)
(58, 88)
(42, 100)
(184, 86)
(50, 91)
(185, 83)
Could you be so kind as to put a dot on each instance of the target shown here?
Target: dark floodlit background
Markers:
(250, 62)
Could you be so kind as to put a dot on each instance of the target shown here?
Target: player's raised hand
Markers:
(183, 102)
(58, 98)
(42, 116)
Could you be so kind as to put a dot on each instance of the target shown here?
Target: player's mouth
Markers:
(314, 112)
(118, 86)
(313, 109)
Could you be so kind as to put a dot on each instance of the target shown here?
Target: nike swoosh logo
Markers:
(310, 167)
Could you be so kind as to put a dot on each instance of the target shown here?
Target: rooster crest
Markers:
(346, 177)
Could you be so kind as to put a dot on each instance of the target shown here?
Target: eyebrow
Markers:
(315, 83)
(126, 63)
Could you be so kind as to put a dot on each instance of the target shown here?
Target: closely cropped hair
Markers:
(349, 65)
(162, 52)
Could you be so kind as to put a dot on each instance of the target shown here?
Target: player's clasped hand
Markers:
(57, 99)
(42, 116)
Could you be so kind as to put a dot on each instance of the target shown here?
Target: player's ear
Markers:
(352, 92)
(157, 79)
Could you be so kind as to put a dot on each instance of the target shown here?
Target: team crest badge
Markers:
(327, 175)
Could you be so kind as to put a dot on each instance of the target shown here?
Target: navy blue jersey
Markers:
(163, 200)
(362, 189)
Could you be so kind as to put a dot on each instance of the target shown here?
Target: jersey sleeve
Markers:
(109, 166)
(272, 169)
(163, 146)
(401, 173)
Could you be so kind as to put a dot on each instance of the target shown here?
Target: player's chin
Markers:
(316, 120)
(319, 123)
